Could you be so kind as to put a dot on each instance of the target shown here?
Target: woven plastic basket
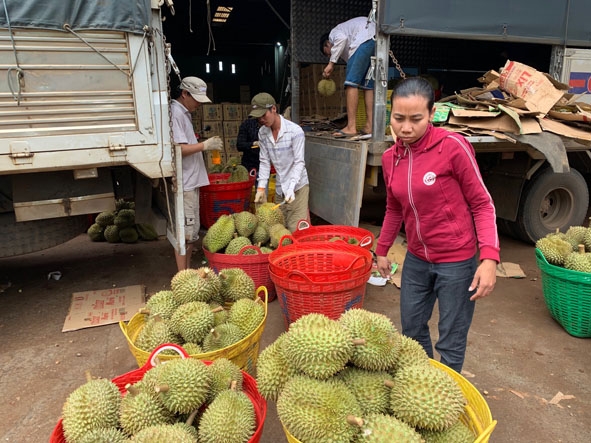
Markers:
(255, 265)
(567, 294)
(220, 198)
(249, 386)
(320, 261)
(476, 415)
(307, 232)
(298, 295)
(243, 353)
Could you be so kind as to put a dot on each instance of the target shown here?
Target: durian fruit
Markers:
(230, 417)
(276, 232)
(236, 284)
(426, 397)
(183, 384)
(123, 204)
(95, 232)
(326, 87)
(381, 340)
(192, 321)
(111, 234)
(238, 173)
(554, 249)
(458, 433)
(211, 290)
(410, 353)
(141, 409)
(105, 218)
(369, 387)
(128, 235)
(383, 428)
(223, 373)
(260, 234)
(219, 315)
(273, 370)
(315, 411)
(266, 214)
(219, 234)
(187, 285)
(247, 314)
(154, 333)
(578, 261)
(236, 244)
(587, 239)
(222, 336)
(192, 348)
(574, 235)
(246, 223)
(125, 218)
(266, 250)
(91, 406)
(317, 345)
(164, 434)
(232, 161)
(162, 303)
(105, 435)
(215, 169)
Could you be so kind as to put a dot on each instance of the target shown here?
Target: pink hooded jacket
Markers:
(434, 186)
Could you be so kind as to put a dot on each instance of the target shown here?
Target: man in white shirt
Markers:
(281, 143)
(354, 42)
(192, 93)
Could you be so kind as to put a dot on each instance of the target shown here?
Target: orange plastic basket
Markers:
(307, 232)
(321, 261)
(221, 198)
(249, 386)
(255, 265)
(298, 295)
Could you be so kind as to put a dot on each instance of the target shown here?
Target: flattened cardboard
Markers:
(565, 130)
(458, 112)
(504, 123)
(103, 307)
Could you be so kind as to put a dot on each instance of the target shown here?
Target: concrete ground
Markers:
(518, 357)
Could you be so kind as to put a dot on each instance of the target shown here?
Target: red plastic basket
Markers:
(255, 265)
(307, 232)
(220, 198)
(321, 261)
(249, 387)
(298, 295)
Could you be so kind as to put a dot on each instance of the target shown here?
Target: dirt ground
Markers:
(518, 356)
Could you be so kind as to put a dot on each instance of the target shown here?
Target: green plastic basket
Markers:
(568, 296)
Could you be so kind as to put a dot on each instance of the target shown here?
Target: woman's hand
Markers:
(484, 279)
(384, 266)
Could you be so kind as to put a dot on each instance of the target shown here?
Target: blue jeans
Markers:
(423, 283)
(359, 64)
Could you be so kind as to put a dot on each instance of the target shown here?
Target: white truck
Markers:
(539, 183)
(84, 119)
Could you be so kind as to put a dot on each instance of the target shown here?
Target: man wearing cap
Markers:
(191, 93)
(281, 143)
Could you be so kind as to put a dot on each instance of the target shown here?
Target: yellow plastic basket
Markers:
(476, 415)
(243, 353)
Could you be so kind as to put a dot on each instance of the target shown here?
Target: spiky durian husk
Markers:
(554, 249)
(411, 353)
(266, 214)
(273, 370)
(458, 433)
(246, 223)
(164, 434)
(236, 244)
(579, 260)
(187, 285)
(223, 373)
(183, 384)
(154, 333)
(219, 234)
(575, 234)
(217, 425)
(247, 314)
(162, 303)
(140, 410)
(222, 336)
(105, 435)
(192, 321)
(369, 388)
(236, 284)
(383, 428)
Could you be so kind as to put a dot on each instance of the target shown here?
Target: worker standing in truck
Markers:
(354, 42)
(434, 187)
(192, 92)
(281, 144)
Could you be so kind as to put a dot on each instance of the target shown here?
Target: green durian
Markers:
(222, 336)
(183, 384)
(140, 409)
(247, 314)
(457, 433)
(219, 234)
(230, 417)
(384, 428)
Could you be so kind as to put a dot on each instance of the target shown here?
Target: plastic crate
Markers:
(307, 232)
(221, 198)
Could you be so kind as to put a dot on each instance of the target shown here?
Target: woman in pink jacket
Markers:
(435, 188)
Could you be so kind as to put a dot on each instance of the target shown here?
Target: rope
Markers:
(20, 74)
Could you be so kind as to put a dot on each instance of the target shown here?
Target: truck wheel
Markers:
(30, 236)
(552, 200)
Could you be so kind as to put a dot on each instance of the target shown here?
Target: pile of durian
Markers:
(230, 233)
(357, 379)
(203, 311)
(180, 401)
(120, 226)
(570, 249)
(238, 173)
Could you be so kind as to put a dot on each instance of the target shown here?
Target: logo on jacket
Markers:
(429, 178)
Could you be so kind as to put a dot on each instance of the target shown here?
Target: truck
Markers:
(85, 120)
(540, 183)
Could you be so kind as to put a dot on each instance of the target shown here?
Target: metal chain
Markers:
(397, 65)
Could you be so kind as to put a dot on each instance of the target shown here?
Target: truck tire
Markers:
(552, 200)
(30, 236)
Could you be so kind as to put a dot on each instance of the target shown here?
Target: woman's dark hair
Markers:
(323, 40)
(414, 86)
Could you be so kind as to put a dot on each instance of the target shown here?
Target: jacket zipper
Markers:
(412, 203)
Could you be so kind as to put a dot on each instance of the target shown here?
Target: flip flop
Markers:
(361, 137)
(340, 134)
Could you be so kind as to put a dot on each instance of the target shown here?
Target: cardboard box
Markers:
(232, 111)
(103, 307)
(231, 128)
(230, 145)
(539, 93)
(212, 112)
(197, 114)
(212, 128)
(246, 110)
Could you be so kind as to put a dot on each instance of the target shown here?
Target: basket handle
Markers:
(253, 172)
(153, 359)
(247, 247)
(264, 290)
(298, 274)
(303, 224)
(365, 241)
(356, 260)
(285, 237)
